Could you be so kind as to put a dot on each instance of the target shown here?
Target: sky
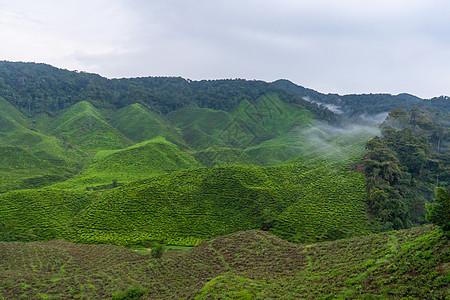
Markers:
(332, 46)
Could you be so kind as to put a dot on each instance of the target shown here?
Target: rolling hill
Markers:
(142, 160)
(84, 127)
(30, 158)
(188, 206)
(139, 124)
(411, 263)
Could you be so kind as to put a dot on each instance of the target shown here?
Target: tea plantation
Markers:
(188, 206)
(409, 264)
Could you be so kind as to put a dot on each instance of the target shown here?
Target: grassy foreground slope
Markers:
(409, 264)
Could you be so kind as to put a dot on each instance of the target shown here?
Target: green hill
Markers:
(279, 149)
(325, 148)
(247, 125)
(313, 145)
(138, 124)
(9, 112)
(39, 214)
(28, 157)
(201, 127)
(84, 127)
(31, 159)
(277, 117)
(188, 206)
(142, 160)
(19, 158)
(206, 164)
(411, 264)
(20, 168)
(215, 155)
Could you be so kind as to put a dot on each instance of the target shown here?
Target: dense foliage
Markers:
(439, 210)
(186, 207)
(404, 166)
(37, 88)
(361, 106)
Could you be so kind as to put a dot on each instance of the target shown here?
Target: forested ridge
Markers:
(36, 88)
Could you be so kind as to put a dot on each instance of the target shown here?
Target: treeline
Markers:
(356, 105)
(404, 165)
(37, 88)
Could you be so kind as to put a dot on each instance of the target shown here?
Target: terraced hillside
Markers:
(411, 263)
(247, 125)
(314, 145)
(29, 158)
(188, 206)
(142, 160)
(266, 131)
(84, 127)
(167, 161)
(29, 215)
(215, 155)
(139, 124)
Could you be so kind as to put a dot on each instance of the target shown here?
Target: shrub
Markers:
(157, 252)
(135, 292)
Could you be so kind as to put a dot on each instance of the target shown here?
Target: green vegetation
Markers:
(130, 294)
(358, 107)
(163, 164)
(29, 158)
(9, 115)
(405, 165)
(215, 155)
(411, 263)
(142, 160)
(84, 127)
(188, 206)
(201, 127)
(30, 215)
(138, 124)
(439, 211)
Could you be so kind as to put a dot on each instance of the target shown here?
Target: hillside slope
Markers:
(83, 126)
(139, 124)
(29, 215)
(188, 206)
(29, 158)
(411, 263)
(142, 160)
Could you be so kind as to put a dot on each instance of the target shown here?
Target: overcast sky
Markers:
(333, 46)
